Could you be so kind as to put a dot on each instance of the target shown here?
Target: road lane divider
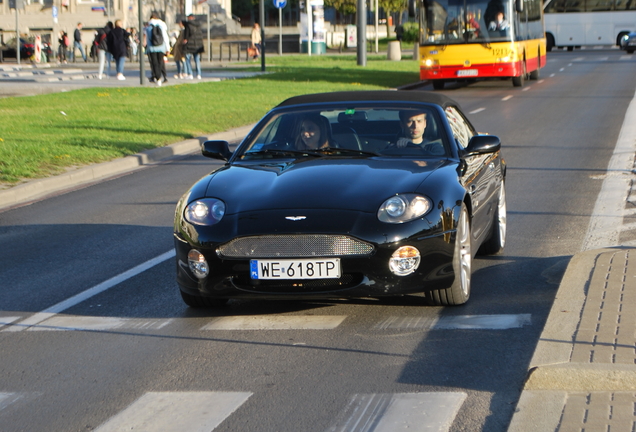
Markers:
(46, 314)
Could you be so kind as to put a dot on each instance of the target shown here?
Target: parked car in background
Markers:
(344, 195)
(27, 49)
(628, 42)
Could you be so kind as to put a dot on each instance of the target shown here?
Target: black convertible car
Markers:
(344, 195)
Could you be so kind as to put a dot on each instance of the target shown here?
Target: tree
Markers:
(343, 7)
(392, 6)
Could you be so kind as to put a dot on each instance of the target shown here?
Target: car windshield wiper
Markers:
(341, 150)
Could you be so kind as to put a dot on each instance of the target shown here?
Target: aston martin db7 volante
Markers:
(344, 195)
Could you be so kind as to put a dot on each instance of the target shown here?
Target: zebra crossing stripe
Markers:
(415, 412)
(276, 322)
(460, 322)
(176, 412)
(65, 323)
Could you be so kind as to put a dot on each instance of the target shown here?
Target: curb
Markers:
(37, 189)
(552, 374)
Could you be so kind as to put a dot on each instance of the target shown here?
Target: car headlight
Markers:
(403, 208)
(207, 211)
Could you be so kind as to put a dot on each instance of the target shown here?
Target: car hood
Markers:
(346, 184)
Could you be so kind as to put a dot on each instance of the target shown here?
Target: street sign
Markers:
(280, 3)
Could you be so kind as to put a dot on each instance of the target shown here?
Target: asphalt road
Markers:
(299, 366)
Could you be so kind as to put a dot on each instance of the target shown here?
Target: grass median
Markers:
(45, 135)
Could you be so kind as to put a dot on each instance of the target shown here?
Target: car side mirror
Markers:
(482, 144)
(519, 6)
(216, 150)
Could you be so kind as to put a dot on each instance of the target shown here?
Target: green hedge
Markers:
(411, 32)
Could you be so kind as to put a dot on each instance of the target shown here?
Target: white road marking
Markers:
(461, 322)
(7, 399)
(540, 81)
(64, 323)
(551, 75)
(6, 320)
(507, 98)
(97, 289)
(526, 88)
(477, 110)
(626, 57)
(276, 322)
(415, 412)
(607, 217)
(176, 412)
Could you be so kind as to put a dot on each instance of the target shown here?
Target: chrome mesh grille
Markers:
(294, 246)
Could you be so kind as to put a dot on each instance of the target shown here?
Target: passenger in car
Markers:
(314, 133)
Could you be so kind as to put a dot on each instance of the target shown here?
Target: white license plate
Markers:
(321, 268)
(467, 72)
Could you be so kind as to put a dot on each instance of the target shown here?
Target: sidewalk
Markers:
(582, 376)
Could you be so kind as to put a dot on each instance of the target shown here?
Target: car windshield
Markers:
(349, 131)
(466, 21)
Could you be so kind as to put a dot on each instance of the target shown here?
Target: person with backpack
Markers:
(192, 45)
(63, 46)
(102, 49)
(157, 46)
(117, 41)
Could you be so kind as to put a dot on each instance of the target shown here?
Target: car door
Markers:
(479, 178)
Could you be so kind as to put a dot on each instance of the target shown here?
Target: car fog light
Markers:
(198, 265)
(404, 261)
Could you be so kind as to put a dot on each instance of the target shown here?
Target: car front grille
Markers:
(298, 286)
(294, 246)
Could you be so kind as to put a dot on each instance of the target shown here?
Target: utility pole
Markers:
(261, 18)
(362, 32)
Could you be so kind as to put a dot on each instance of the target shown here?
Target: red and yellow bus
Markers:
(469, 39)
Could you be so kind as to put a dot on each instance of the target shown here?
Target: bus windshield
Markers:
(465, 21)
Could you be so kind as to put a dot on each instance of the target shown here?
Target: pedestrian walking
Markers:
(77, 42)
(63, 45)
(157, 46)
(117, 41)
(103, 55)
(192, 45)
(177, 52)
(255, 37)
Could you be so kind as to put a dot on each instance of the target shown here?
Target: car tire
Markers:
(630, 51)
(459, 292)
(195, 301)
(497, 241)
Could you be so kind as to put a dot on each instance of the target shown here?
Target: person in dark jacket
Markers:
(77, 42)
(102, 49)
(117, 42)
(192, 46)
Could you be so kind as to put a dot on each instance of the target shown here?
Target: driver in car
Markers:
(413, 126)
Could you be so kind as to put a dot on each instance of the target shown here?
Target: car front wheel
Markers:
(459, 291)
(497, 240)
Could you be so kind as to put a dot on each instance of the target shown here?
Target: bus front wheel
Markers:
(518, 81)
(438, 84)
